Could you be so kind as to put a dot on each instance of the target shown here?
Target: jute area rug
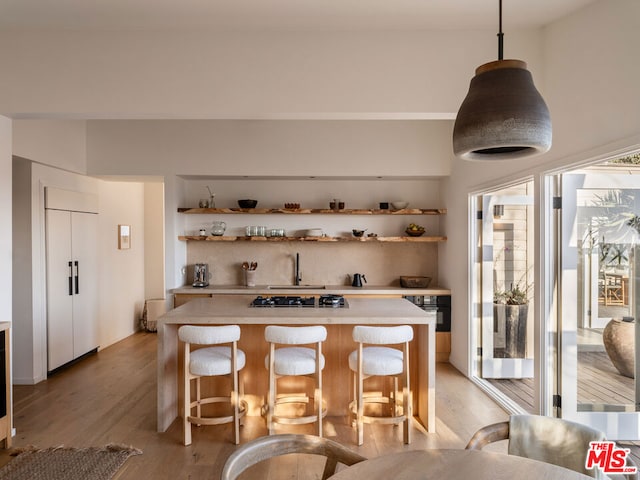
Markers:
(62, 463)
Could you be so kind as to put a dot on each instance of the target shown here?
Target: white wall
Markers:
(175, 251)
(594, 99)
(5, 220)
(269, 148)
(125, 74)
(58, 143)
(121, 272)
(23, 281)
(154, 240)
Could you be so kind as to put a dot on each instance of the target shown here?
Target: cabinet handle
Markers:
(70, 278)
(77, 278)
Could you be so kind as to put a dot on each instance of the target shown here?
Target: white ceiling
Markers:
(227, 15)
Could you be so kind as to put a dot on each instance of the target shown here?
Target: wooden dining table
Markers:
(455, 465)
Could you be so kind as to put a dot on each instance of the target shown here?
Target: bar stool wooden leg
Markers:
(198, 400)
(186, 424)
(241, 398)
(271, 393)
(317, 398)
(407, 398)
(360, 401)
(395, 410)
(234, 394)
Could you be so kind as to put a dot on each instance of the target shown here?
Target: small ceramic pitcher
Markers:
(218, 228)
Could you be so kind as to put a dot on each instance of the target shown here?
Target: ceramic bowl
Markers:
(399, 205)
(414, 233)
(247, 203)
(414, 282)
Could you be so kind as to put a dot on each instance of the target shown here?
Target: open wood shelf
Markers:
(297, 211)
(212, 238)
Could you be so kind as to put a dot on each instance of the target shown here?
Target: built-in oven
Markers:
(440, 304)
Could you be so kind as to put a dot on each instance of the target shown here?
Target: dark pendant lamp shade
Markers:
(503, 116)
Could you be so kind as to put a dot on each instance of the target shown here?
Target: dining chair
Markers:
(264, 448)
(546, 439)
(221, 356)
(614, 293)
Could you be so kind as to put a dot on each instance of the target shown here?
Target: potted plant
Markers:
(511, 308)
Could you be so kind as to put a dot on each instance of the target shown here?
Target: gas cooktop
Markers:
(323, 301)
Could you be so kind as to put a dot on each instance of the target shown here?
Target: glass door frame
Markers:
(497, 367)
(545, 380)
(616, 425)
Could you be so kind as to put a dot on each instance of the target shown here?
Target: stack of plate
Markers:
(313, 232)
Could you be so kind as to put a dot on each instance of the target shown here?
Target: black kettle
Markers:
(357, 279)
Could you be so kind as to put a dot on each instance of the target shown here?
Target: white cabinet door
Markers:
(59, 289)
(72, 306)
(84, 240)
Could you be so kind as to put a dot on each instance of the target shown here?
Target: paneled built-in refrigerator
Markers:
(72, 303)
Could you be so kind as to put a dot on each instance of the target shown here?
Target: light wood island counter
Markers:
(236, 309)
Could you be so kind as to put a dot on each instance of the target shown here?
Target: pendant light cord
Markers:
(500, 34)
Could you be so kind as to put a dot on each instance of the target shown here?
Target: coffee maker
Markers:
(201, 275)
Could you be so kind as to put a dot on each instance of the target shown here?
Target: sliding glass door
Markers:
(599, 311)
(504, 318)
(507, 287)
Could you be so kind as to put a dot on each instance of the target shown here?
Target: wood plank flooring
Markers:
(598, 383)
(519, 390)
(111, 398)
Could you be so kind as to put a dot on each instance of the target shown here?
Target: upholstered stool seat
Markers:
(211, 361)
(376, 360)
(294, 361)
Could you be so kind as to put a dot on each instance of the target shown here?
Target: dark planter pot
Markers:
(515, 328)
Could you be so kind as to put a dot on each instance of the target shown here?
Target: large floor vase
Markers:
(619, 342)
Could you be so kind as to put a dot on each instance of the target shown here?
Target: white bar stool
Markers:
(211, 361)
(366, 362)
(294, 361)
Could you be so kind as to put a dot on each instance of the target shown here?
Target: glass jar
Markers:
(256, 231)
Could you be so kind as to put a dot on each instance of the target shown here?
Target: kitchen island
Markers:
(389, 290)
(236, 309)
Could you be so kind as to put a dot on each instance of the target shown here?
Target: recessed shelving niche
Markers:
(309, 211)
(212, 238)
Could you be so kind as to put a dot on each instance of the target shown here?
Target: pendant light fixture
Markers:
(503, 116)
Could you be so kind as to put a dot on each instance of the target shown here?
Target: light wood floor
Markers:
(111, 398)
(599, 383)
